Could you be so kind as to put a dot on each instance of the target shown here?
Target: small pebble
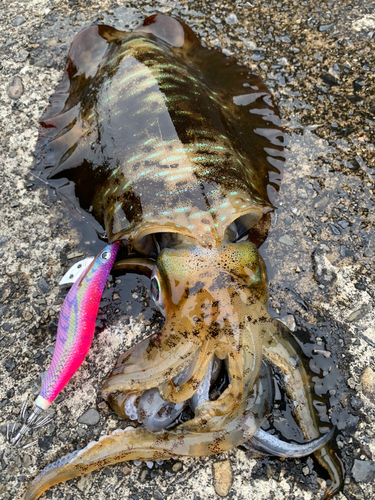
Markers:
(27, 316)
(258, 56)
(363, 471)
(368, 383)
(231, 19)
(216, 19)
(6, 327)
(3, 240)
(63, 436)
(325, 27)
(9, 364)
(90, 417)
(222, 477)
(81, 432)
(177, 467)
(287, 240)
(74, 255)
(18, 21)
(15, 88)
(289, 321)
(343, 223)
(324, 271)
(43, 62)
(302, 194)
(43, 285)
(143, 476)
(21, 56)
(335, 230)
(158, 495)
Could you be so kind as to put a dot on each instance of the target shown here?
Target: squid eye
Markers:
(155, 290)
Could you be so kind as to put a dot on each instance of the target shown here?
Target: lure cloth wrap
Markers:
(77, 325)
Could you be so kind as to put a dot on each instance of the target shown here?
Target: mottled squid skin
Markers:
(162, 141)
(182, 149)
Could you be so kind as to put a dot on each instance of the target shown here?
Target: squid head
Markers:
(215, 307)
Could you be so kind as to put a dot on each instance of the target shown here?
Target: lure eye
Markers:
(155, 291)
(105, 255)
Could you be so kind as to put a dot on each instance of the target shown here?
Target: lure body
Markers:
(76, 325)
(74, 335)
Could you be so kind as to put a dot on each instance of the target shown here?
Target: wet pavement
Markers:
(318, 58)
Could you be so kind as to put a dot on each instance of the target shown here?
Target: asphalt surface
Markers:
(318, 58)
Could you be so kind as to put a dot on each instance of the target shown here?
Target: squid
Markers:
(175, 151)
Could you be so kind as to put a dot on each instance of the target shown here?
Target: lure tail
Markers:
(75, 333)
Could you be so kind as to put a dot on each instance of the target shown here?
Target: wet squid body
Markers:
(175, 150)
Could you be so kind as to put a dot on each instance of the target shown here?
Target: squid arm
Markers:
(281, 347)
(190, 440)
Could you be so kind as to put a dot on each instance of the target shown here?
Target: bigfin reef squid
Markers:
(175, 150)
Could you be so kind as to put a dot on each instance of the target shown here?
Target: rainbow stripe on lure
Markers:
(75, 331)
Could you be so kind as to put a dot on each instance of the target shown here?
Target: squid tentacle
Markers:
(190, 439)
(149, 363)
(271, 445)
(282, 348)
(179, 393)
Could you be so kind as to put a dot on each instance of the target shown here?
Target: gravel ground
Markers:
(318, 57)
